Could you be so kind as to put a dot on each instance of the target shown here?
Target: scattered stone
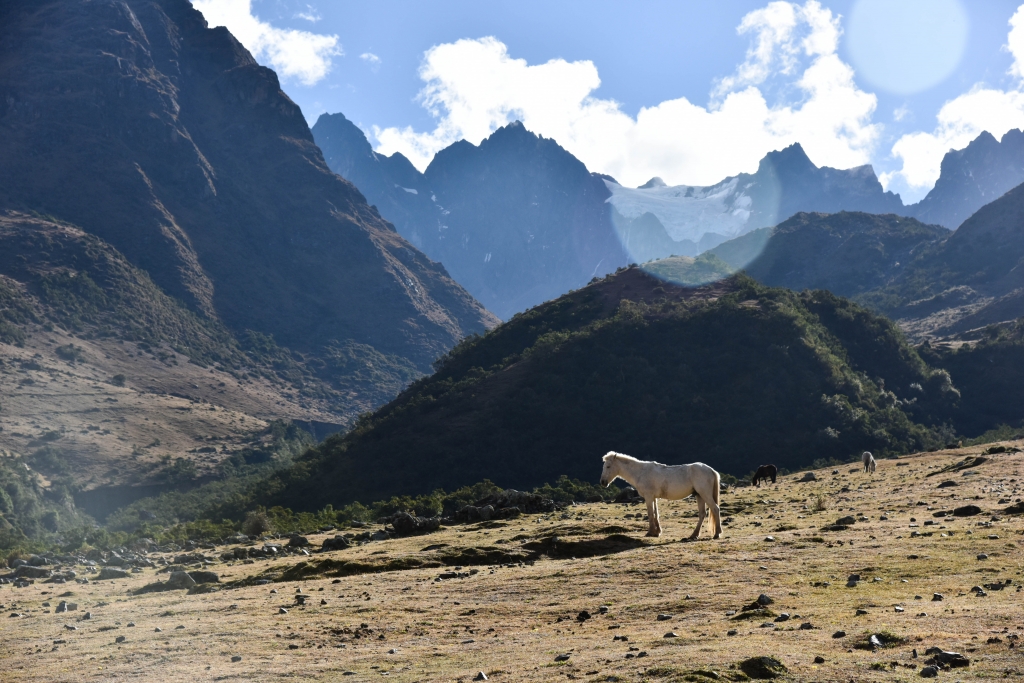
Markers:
(846, 521)
(763, 667)
(664, 617)
(947, 484)
(131, 624)
(839, 634)
(861, 612)
(898, 609)
(966, 511)
(120, 639)
(808, 476)
(764, 600)
(938, 597)
(671, 634)
(819, 660)
(929, 672)
(111, 573)
(297, 541)
(583, 616)
(782, 617)
(158, 630)
(806, 626)
(204, 577)
(282, 610)
(480, 677)
(732, 632)
(563, 658)
(953, 660)
(336, 543)
(236, 658)
(982, 556)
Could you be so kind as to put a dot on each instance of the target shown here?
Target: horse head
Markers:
(610, 472)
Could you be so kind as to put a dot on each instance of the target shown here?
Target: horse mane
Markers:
(612, 454)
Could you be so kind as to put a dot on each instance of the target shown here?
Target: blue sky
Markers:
(690, 91)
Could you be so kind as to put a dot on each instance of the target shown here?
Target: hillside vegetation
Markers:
(735, 374)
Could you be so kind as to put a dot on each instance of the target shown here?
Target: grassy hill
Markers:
(735, 374)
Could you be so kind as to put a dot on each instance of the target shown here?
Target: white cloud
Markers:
(311, 14)
(900, 113)
(961, 120)
(371, 59)
(299, 55)
(475, 86)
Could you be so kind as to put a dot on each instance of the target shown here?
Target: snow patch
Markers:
(687, 212)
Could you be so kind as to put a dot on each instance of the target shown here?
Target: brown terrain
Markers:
(507, 597)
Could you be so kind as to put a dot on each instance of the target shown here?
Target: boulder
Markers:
(27, 571)
(763, 667)
(179, 580)
(297, 541)
(406, 524)
(336, 543)
(966, 511)
(808, 476)
(204, 577)
(110, 573)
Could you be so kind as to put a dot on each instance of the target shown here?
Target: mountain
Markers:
(786, 182)
(847, 253)
(971, 177)
(735, 374)
(516, 220)
(179, 268)
(164, 138)
(973, 278)
(935, 283)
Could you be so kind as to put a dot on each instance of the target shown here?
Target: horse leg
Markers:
(716, 517)
(700, 516)
(654, 528)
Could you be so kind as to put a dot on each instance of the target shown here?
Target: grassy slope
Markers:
(736, 373)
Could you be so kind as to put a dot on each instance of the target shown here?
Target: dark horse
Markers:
(764, 473)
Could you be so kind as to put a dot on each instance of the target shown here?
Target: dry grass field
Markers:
(381, 611)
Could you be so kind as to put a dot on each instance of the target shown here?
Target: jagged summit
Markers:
(653, 182)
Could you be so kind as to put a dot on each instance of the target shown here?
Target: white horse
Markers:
(652, 480)
(869, 461)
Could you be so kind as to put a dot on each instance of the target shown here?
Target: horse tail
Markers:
(716, 494)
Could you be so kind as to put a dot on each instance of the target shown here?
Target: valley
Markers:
(580, 594)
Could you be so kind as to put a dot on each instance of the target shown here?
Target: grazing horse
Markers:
(652, 480)
(764, 473)
(869, 461)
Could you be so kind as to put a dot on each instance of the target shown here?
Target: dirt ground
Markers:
(381, 609)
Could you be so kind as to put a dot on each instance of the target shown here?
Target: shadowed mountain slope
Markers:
(734, 374)
(164, 138)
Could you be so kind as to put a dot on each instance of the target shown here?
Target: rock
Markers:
(929, 672)
(120, 639)
(732, 632)
(853, 577)
(282, 610)
(481, 676)
(819, 660)
(769, 539)
(297, 541)
(563, 658)
(664, 617)
(380, 536)
(861, 612)
(808, 476)
(336, 543)
(627, 495)
(763, 667)
(179, 580)
(764, 600)
(111, 573)
(782, 617)
(204, 577)
(953, 660)
(846, 521)
(583, 616)
(27, 571)
(898, 609)
(603, 609)
(947, 484)
(874, 642)
(408, 525)
(236, 658)
(851, 584)
(670, 634)
(839, 634)
(938, 597)
(806, 626)
(131, 624)
(87, 615)
(982, 556)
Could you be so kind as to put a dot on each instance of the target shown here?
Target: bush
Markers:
(256, 523)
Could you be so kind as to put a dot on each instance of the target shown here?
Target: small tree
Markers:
(256, 522)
